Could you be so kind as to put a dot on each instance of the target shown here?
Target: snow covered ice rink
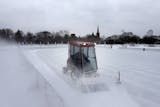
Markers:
(31, 76)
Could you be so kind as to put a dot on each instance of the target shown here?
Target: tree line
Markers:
(130, 38)
(46, 37)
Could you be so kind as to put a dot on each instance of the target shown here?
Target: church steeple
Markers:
(98, 33)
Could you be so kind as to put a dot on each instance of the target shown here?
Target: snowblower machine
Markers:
(82, 66)
(81, 59)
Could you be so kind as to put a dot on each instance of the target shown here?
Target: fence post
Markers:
(119, 78)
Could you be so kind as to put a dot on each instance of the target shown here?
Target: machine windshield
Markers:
(84, 58)
(89, 58)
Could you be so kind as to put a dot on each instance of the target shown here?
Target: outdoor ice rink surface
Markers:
(37, 71)
(139, 69)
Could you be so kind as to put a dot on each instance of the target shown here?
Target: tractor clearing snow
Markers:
(82, 66)
(81, 59)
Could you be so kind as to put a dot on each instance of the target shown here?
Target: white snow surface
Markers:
(31, 76)
(21, 85)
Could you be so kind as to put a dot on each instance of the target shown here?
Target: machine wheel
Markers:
(65, 70)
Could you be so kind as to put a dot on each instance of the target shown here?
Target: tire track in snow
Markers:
(53, 79)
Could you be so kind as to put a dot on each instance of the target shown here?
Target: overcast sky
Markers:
(81, 16)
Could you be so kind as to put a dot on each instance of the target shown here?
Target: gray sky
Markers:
(81, 16)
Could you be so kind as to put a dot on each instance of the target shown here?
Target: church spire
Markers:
(98, 33)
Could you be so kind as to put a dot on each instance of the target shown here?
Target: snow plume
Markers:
(20, 84)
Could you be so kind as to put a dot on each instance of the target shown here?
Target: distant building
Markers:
(93, 34)
(149, 32)
(127, 34)
(73, 35)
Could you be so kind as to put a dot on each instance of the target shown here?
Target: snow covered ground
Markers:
(139, 72)
(21, 85)
(32, 76)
